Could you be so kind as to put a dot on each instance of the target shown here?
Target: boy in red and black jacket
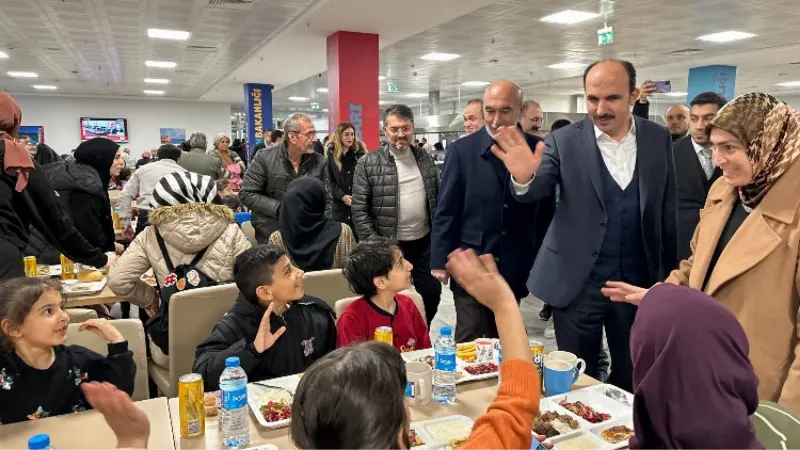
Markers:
(377, 271)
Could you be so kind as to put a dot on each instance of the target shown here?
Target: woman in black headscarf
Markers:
(312, 241)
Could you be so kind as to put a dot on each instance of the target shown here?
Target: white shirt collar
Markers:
(600, 134)
(697, 147)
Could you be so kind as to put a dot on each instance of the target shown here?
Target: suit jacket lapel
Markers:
(593, 159)
(498, 167)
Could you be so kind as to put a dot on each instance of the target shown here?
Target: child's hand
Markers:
(104, 329)
(265, 339)
(480, 278)
(129, 424)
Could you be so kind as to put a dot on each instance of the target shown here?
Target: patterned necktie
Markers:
(706, 162)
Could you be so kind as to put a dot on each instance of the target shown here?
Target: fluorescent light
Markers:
(322, 89)
(156, 80)
(44, 87)
(152, 92)
(440, 56)
(567, 65)
(789, 84)
(676, 94)
(475, 83)
(381, 77)
(416, 95)
(177, 35)
(569, 17)
(15, 74)
(3, 55)
(726, 36)
(298, 99)
(162, 64)
(383, 102)
(325, 110)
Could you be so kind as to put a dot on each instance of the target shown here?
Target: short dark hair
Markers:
(354, 377)
(124, 174)
(276, 134)
(254, 268)
(169, 151)
(476, 101)
(629, 69)
(185, 147)
(560, 123)
(370, 258)
(709, 98)
(401, 111)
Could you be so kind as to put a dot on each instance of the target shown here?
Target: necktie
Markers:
(706, 162)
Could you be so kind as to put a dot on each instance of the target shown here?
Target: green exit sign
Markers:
(315, 106)
(605, 36)
(392, 88)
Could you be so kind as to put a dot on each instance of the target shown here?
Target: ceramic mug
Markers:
(559, 376)
(419, 386)
(570, 358)
(484, 350)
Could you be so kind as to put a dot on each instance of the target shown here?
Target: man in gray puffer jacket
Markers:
(268, 176)
(394, 196)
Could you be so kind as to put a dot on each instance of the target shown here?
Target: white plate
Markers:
(546, 405)
(73, 289)
(602, 388)
(255, 398)
(54, 271)
(485, 376)
(597, 443)
(460, 365)
(598, 402)
(597, 429)
(423, 429)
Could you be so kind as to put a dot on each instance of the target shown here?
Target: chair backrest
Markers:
(80, 315)
(249, 231)
(192, 315)
(342, 304)
(328, 285)
(133, 331)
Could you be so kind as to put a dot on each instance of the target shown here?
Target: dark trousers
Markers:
(579, 330)
(11, 264)
(418, 253)
(143, 216)
(473, 320)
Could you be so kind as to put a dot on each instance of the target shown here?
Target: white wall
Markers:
(60, 117)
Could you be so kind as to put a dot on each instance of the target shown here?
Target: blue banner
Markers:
(257, 114)
(719, 79)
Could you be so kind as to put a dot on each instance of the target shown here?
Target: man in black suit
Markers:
(694, 168)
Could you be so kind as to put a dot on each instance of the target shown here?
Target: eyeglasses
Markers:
(536, 119)
(308, 134)
(404, 130)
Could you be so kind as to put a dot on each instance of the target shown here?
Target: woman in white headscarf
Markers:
(232, 165)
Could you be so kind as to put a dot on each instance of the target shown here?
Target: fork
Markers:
(271, 386)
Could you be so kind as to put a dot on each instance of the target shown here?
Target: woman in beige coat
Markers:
(745, 248)
(186, 214)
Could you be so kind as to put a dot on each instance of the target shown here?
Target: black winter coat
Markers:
(265, 183)
(375, 191)
(310, 334)
(340, 181)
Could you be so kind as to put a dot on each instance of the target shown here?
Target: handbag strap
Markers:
(164, 251)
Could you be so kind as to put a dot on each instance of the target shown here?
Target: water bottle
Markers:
(444, 374)
(233, 413)
(39, 442)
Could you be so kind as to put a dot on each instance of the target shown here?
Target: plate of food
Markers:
(590, 406)
(581, 440)
(426, 356)
(615, 433)
(73, 288)
(480, 371)
(552, 421)
(444, 432)
(272, 405)
(45, 271)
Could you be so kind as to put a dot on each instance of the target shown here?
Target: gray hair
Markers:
(198, 140)
(528, 103)
(219, 137)
(401, 111)
(292, 123)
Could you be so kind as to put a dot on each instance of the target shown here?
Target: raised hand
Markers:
(479, 276)
(265, 339)
(129, 424)
(104, 329)
(513, 150)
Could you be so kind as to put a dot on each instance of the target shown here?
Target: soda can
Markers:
(384, 334)
(67, 269)
(30, 267)
(190, 405)
(537, 350)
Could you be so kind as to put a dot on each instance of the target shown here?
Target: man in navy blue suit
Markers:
(477, 210)
(616, 216)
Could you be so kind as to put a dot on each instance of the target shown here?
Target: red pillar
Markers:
(353, 93)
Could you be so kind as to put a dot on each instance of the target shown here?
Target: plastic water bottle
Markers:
(233, 413)
(444, 374)
(39, 442)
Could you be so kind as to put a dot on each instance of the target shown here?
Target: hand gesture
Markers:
(646, 90)
(479, 277)
(104, 329)
(441, 275)
(512, 149)
(112, 259)
(129, 424)
(619, 291)
(265, 339)
(541, 438)
(348, 200)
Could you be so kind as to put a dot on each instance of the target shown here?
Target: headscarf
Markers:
(99, 154)
(770, 131)
(180, 188)
(46, 155)
(694, 386)
(16, 161)
(224, 156)
(309, 237)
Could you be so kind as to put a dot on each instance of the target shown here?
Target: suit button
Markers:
(594, 253)
(497, 259)
(505, 205)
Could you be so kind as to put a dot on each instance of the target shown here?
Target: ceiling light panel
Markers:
(3, 55)
(176, 35)
(475, 83)
(567, 65)
(161, 64)
(156, 81)
(416, 95)
(18, 74)
(44, 87)
(726, 36)
(569, 17)
(298, 99)
(440, 56)
(152, 92)
(789, 84)
(322, 90)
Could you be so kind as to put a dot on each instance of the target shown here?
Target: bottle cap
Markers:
(232, 361)
(39, 442)
(446, 331)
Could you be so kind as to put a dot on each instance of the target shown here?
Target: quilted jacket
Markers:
(186, 229)
(375, 189)
(265, 183)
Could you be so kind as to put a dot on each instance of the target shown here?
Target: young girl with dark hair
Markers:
(39, 375)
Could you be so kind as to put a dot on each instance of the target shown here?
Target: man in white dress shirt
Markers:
(615, 219)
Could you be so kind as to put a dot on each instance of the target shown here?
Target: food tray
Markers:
(83, 288)
(596, 442)
(255, 399)
(432, 441)
(598, 429)
(463, 376)
(602, 388)
(53, 271)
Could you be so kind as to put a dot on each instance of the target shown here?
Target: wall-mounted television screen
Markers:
(113, 129)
